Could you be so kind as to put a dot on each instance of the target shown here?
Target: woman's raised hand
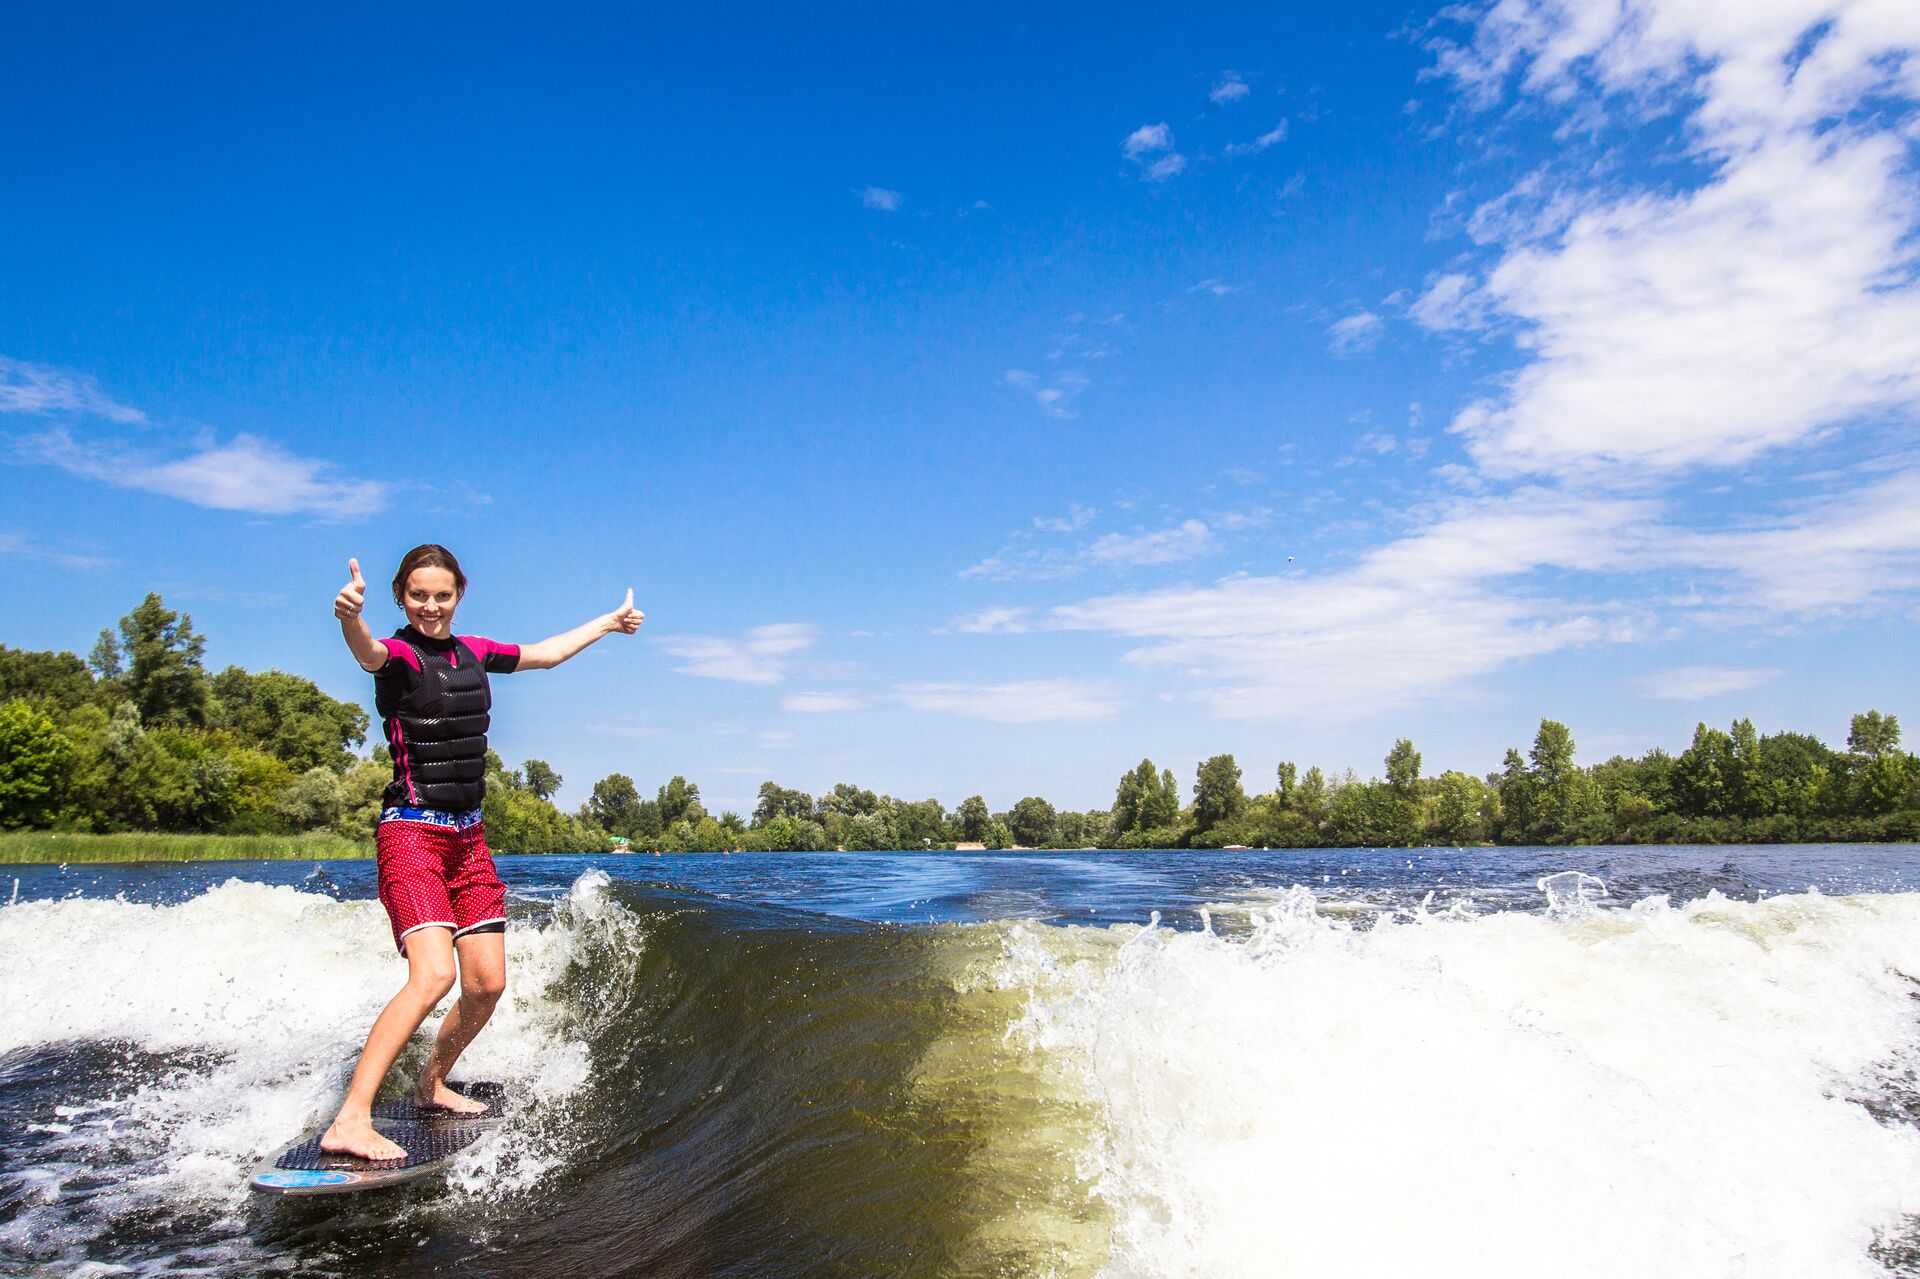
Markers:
(627, 618)
(353, 596)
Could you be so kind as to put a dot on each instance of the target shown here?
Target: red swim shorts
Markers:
(436, 872)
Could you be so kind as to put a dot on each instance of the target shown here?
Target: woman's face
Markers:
(429, 599)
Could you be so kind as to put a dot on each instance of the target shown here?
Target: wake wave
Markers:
(1652, 1091)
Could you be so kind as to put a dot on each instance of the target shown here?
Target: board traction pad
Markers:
(428, 1136)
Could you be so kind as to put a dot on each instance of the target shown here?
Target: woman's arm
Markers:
(549, 653)
(368, 651)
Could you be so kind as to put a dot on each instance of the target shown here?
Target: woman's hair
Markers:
(432, 555)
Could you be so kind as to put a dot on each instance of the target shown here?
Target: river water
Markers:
(1486, 1062)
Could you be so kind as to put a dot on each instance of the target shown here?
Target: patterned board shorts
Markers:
(436, 872)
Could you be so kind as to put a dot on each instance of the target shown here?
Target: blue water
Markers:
(1098, 887)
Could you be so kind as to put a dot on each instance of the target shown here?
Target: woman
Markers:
(437, 881)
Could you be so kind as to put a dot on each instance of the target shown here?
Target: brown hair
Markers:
(431, 555)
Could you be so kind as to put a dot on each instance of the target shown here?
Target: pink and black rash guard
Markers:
(434, 706)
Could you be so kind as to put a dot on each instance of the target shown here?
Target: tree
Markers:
(1517, 798)
(1137, 801)
(1874, 735)
(287, 717)
(317, 799)
(679, 801)
(1403, 767)
(36, 763)
(974, 819)
(59, 680)
(541, 779)
(1310, 799)
(1165, 808)
(1458, 812)
(1034, 822)
(1217, 794)
(164, 678)
(787, 833)
(996, 835)
(1289, 780)
(1704, 775)
(919, 823)
(615, 805)
(848, 800)
(777, 801)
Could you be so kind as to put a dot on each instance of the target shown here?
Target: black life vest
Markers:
(436, 724)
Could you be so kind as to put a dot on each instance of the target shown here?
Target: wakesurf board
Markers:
(430, 1136)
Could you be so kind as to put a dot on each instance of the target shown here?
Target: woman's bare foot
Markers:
(441, 1097)
(348, 1137)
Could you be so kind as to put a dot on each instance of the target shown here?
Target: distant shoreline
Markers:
(40, 848)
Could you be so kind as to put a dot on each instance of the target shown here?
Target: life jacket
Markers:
(436, 724)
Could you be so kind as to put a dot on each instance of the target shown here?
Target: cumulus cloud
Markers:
(1696, 683)
(763, 655)
(1151, 147)
(880, 198)
(1230, 87)
(1775, 301)
(1031, 701)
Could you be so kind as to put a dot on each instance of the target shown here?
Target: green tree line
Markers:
(140, 736)
(1733, 786)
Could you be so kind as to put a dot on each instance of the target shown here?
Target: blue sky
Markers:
(979, 402)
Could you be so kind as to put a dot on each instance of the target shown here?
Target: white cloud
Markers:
(761, 656)
(993, 621)
(1147, 139)
(1024, 702)
(1413, 619)
(248, 474)
(622, 730)
(1151, 147)
(880, 198)
(1776, 301)
(1696, 683)
(1217, 287)
(29, 547)
(1188, 540)
(43, 389)
(1272, 137)
(1857, 548)
(1076, 518)
(820, 703)
(1355, 333)
(1230, 87)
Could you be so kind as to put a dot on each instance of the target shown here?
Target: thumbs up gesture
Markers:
(627, 618)
(353, 596)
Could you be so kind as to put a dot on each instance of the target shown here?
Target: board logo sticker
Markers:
(305, 1179)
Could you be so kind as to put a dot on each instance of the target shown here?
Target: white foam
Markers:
(270, 992)
(1651, 1091)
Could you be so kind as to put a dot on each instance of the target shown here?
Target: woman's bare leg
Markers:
(483, 976)
(430, 972)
